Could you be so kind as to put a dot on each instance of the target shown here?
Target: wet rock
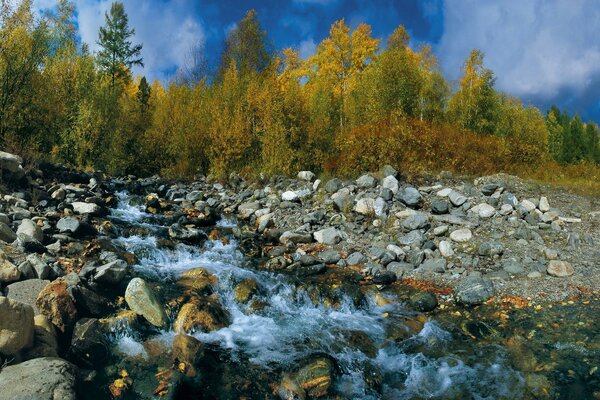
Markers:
(461, 235)
(198, 279)
(424, 302)
(439, 207)
(57, 304)
(384, 277)
(141, 299)
(473, 290)
(8, 271)
(188, 235)
(560, 268)
(206, 315)
(329, 236)
(490, 248)
(89, 303)
(245, 290)
(410, 197)
(112, 273)
(44, 378)
(189, 350)
(16, 327)
(26, 292)
(88, 345)
(313, 380)
(6, 234)
(45, 343)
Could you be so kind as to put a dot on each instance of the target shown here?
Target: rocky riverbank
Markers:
(78, 275)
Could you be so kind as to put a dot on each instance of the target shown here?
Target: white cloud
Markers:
(166, 29)
(537, 48)
(307, 48)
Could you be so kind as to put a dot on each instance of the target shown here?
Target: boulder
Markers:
(410, 197)
(544, 206)
(56, 303)
(10, 162)
(328, 236)
(75, 227)
(342, 200)
(366, 182)
(416, 221)
(205, 316)
(141, 299)
(457, 199)
(112, 273)
(88, 345)
(446, 248)
(306, 176)
(30, 229)
(26, 292)
(365, 206)
(245, 290)
(16, 326)
(439, 207)
(424, 302)
(313, 380)
(81, 207)
(333, 185)
(484, 210)
(45, 343)
(559, 268)
(473, 290)
(6, 234)
(8, 271)
(390, 182)
(246, 210)
(45, 378)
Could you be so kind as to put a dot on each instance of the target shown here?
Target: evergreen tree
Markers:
(117, 53)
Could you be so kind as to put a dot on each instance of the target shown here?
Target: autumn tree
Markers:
(475, 105)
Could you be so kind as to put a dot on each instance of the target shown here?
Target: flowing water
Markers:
(452, 356)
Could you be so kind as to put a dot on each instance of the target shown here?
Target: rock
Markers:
(306, 176)
(89, 303)
(457, 199)
(6, 234)
(313, 380)
(343, 200)
(365, 206)
(30, 229)
(366, 182)
(490, 248)
(246, 210)
(57, 304)
(509, 198)
(410, 197)
(444, 192)
(8, 271)
(330, 256)
(295, 237)
(26, 292)
(30, 244)
(383, 277)
(485, 210)
(80, 207)
(45, 343)
(112, 273)
(400, 268)
(16, 327)
(295, 195)
(188, 235)
(550, 254)
(41, 268)
(333, 185)
(512, 266)
(412, 238)
(433, 265)
(88, 345)
(388, 170)
(59, 194)
(489, 189)
(45, 378)
(506, 209)
(390, 182)
(356, 258)
(189, 350)
(416, 221)
(461, 235)
(440, 230)
(559, 268)
(544, 206)
(245, 290)
(439, 207)
(446, 249)
(329, 236)
(198, 279)
(424, 302)
(75, 227)
(205, 316)
(473, 290)
(380, 207)
(528, 205)
(141, 299)
(10, 163)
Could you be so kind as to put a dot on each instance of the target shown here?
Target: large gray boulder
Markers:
(16, 326)
(46, 378)
(141, 299)
(473, 290)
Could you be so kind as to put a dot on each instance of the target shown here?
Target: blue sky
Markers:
(543, 51)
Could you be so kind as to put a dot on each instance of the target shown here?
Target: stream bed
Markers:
(326, 335)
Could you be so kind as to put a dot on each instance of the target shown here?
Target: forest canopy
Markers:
(357, 103)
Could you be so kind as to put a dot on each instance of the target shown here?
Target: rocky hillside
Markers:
(59, 270)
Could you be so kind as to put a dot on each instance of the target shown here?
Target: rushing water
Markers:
(434, 362)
